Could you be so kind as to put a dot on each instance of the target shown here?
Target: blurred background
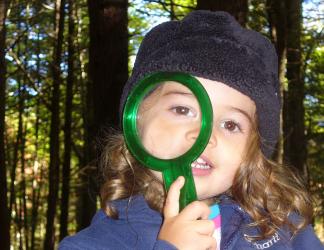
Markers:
(63, 65)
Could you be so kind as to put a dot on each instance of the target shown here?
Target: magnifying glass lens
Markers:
(168, 120)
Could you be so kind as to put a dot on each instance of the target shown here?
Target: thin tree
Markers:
(67, 126)
(294, 124)
(23, 190)
(18, 149)
(17, 146)
(172, 12)
(36, 191)
(108, 72)
(4, 211)
(23, 97)
(54, 164)
(276, 10)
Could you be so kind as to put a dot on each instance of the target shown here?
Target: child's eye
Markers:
(231, 126)
(181, 110)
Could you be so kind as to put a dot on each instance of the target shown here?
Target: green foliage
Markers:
(313, 58)
(257, 19)
(144, 14)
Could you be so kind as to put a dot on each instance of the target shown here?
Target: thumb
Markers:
(171, 207)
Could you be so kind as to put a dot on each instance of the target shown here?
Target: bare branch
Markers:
(30, 79)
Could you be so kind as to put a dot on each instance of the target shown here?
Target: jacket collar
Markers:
(233, 217)
(135, 208)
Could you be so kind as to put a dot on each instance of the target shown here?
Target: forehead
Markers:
(223, 96)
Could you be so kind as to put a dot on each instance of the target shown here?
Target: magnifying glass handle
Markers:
(188, 191)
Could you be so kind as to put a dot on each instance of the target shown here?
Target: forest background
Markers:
(63, 64)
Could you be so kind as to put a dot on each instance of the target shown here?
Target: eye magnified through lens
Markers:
(169, 120)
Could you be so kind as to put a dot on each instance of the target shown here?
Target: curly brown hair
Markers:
(124, 177)
(267, 191)
(270, 193)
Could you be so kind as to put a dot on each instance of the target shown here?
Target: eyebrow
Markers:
(246, 114)
(178, 92)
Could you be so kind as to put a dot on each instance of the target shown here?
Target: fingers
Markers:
(171, 207)
(195, 210)
(189, 229)
(208, 242)
(205, 227)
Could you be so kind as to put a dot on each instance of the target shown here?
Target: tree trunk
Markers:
(4, 212)
(54, 164)
(294, 126)
(276, 10)
(23, 189)
(172, 12)
(237, 8)
(36, 202)
(108, 58)
(108, 72)
(24, 96)
(17, 146)
(36, 188)
(19, 211)
(67, 125)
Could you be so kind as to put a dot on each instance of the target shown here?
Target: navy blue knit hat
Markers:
(213, 45)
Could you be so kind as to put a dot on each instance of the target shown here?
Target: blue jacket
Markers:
(138, 227)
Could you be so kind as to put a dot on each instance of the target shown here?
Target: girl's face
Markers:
(170, 123)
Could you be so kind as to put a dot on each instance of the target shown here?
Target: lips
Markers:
(201, 167)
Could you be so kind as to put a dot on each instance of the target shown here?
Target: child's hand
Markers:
(189, 229)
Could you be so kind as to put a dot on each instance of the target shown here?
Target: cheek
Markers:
(153, 134)
(233, 147)
(163, 140)
(225, 177)
(231, 171)
(229, 157)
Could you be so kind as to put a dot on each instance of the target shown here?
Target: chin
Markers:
(207, 195)
(203, 197)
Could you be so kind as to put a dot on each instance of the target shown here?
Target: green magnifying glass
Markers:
(181, 164)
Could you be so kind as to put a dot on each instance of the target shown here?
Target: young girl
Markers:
(262, 204)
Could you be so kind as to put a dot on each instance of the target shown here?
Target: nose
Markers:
(213, 138)
(193, 133)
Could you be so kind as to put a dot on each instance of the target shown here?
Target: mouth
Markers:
(201, 167)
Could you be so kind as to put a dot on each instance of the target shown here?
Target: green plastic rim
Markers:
(170, 168)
